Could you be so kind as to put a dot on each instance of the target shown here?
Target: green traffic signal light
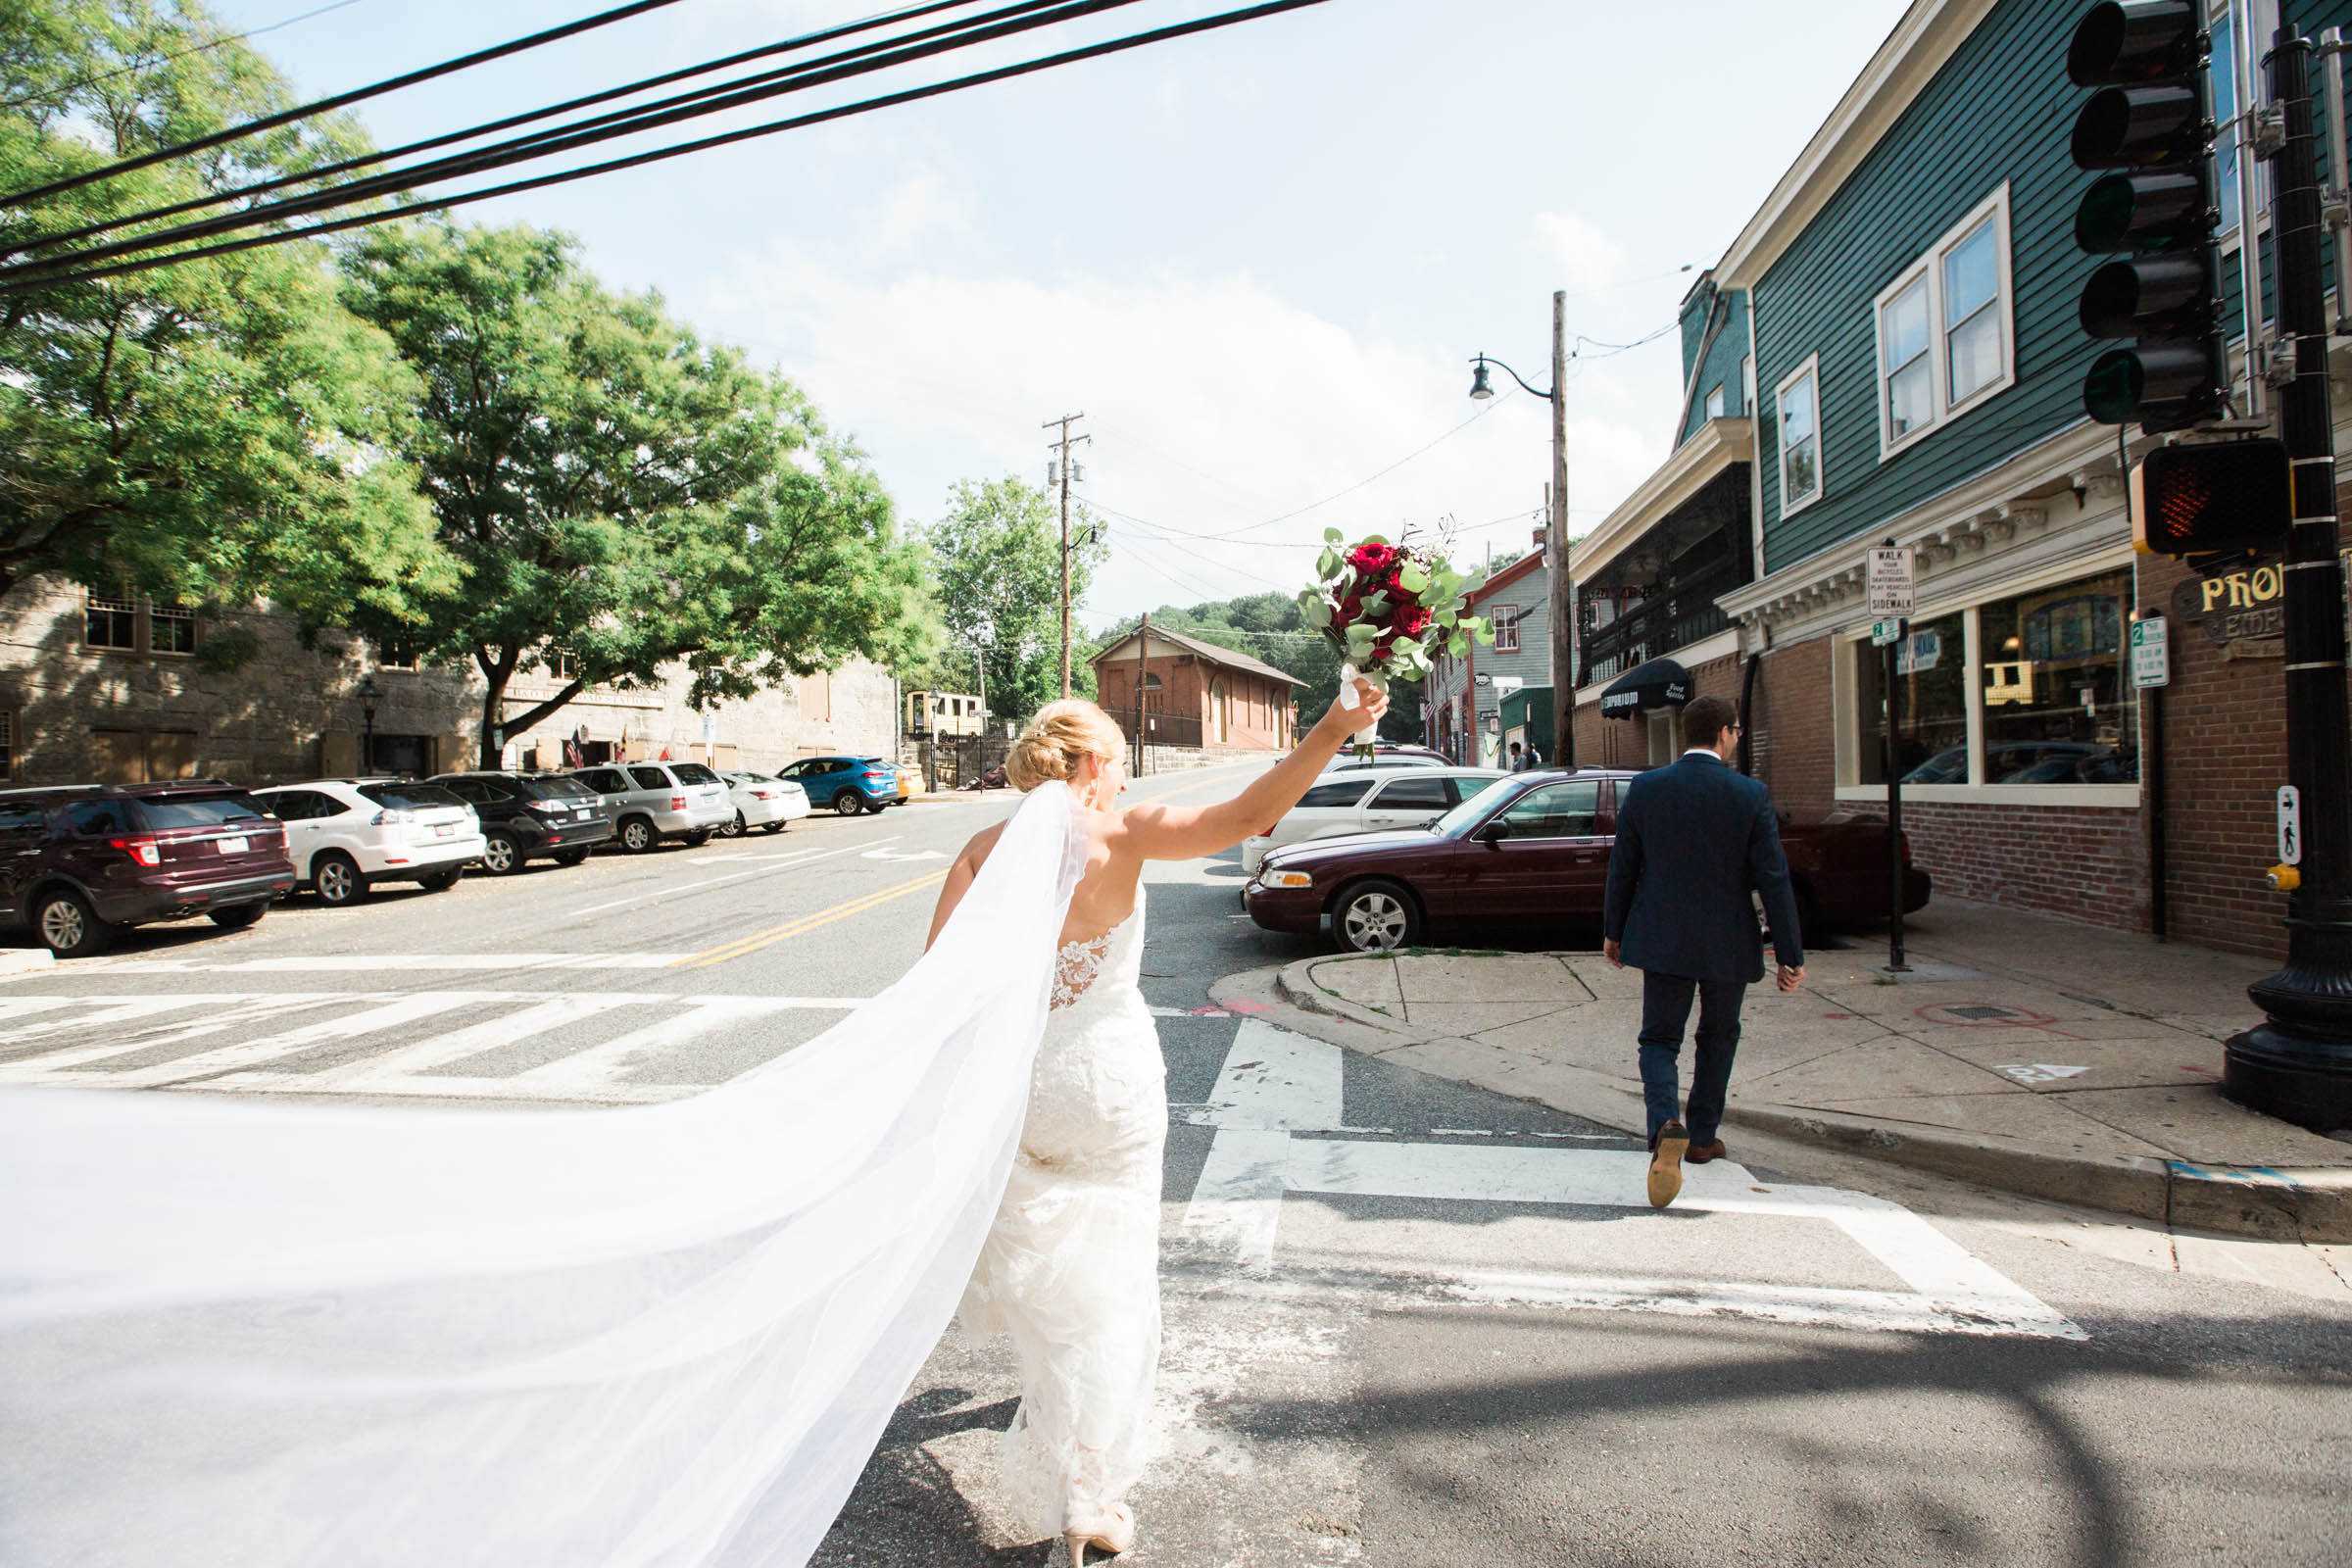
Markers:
(2143, 210)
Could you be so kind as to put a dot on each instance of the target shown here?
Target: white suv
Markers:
(346, 834)
(1370, 800)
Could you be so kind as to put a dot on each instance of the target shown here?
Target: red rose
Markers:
(1370, 560)
(1414, 621)
(1351, 609)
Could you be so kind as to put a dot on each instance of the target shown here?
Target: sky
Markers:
(1258, 261)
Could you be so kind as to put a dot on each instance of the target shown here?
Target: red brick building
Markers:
(1196, 692)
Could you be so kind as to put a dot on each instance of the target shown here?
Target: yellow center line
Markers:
(808, 922)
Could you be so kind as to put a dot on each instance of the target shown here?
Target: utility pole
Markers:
(2297, 1064)
(1142, 668)
(1561, 582)
(1061, 471)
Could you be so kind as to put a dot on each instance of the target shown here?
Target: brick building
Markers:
(1196, 693)
(99, 688)
(1890, 350)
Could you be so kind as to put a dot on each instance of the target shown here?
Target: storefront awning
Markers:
(1659, 683)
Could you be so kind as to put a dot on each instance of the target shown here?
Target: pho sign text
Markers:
(1893, 581)
(2151, 649)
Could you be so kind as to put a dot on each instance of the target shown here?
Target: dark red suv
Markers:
(76, 864)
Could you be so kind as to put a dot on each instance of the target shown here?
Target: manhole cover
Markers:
(1979, 1013)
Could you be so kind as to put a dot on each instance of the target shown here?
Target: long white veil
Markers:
(245, 1334)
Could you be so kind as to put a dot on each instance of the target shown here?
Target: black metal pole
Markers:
(1895, 816)
(2152, 768)
(2298, 1064)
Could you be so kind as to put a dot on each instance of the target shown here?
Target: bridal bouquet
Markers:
(1389, 610)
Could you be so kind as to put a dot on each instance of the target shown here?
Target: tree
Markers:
(211, 431)
(620, 495)
(995, 559)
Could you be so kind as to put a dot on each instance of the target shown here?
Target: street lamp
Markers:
(370, 694)
(1562, 582)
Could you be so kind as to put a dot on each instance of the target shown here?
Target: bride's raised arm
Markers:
(1188, 832)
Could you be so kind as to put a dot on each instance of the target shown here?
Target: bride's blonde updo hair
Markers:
(1057, 739)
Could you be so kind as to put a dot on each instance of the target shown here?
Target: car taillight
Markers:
(1269, 832)
(764, 794)
(677, 802)
(144, 851)
(392, 817)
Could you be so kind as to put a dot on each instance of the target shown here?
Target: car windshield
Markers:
(694, 773)
(559, 787)
(399, 797)
(1455, 823)
(201, 810)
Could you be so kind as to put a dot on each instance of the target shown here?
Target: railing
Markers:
(1160, 728)
(1677, 616)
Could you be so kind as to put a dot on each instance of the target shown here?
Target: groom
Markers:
(1693, 841)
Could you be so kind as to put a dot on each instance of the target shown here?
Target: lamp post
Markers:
(370, 694)
(1562, 582)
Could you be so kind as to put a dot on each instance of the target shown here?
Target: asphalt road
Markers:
(1407, 1323)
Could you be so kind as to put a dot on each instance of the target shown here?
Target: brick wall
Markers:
(1792, 728)
(2084, 862)
(1625, 743)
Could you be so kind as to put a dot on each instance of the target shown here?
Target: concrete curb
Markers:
(2301, 1206)
(15, 961)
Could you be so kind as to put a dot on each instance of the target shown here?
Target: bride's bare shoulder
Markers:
(976, 847)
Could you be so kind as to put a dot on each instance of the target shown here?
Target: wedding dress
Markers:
(240, 1334)
(1070, 1268)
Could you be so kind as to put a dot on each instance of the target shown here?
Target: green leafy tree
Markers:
(996, 563)
(620, 495)
(209, 430)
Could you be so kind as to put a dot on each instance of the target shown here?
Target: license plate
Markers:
(231, 846)
(443, 830)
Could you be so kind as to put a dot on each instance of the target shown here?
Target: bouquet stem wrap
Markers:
(1348, 676)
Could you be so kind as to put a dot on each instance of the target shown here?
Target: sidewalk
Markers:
(2022, 1052)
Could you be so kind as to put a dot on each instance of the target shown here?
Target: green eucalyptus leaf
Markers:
(1376, 604)
(1332, 536)
(1317, 611)
(1458, 645)
(1485, 633)
(1360, 635)
(1412, 579)
(1327, 564)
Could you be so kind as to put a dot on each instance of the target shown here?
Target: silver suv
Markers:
(652, 801)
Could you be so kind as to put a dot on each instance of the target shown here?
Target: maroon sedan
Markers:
(1530, 849)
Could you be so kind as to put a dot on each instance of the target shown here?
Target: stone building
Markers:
(1196, 693)
(120, 690)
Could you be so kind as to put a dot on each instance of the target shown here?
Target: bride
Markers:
(1070, 1266)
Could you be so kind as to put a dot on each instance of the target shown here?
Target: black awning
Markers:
(1659, 683)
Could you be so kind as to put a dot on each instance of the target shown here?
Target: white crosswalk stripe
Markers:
(205, 1039)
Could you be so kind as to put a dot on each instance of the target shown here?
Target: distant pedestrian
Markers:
(1518, 758)
(1694, 841)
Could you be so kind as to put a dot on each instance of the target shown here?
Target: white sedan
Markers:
(347, 834)
(1370, 800)
(762, 800)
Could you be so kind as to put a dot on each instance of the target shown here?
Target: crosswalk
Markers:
(599, 1046)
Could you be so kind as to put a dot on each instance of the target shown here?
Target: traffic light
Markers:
(2150, 125)
(2216, 499)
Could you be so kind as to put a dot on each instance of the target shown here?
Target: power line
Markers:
(339, 100)
(180, 54)
(508, 122)
(888, 100)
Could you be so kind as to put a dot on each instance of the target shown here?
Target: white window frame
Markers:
(1497, 612)
(1929, 265)
(2264, 17)
(1715, 403)
(1809, 371)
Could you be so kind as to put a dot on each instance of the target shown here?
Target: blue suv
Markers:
(848, 784)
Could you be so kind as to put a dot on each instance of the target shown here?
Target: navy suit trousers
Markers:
(1665, 1009)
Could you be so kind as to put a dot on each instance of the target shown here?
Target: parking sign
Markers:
(2151, 649)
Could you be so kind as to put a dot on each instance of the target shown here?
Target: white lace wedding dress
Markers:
(1071, 1267)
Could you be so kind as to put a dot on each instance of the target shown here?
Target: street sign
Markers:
(1882, 632)
(2151, 653)
(2290, 826)
(1893, 581)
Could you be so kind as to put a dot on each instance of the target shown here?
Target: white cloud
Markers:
(1590, 261)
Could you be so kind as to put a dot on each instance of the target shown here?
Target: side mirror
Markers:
(1494, 832)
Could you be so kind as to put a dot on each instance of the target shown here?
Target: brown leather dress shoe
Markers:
(1666, 1164)
(1701, 1153)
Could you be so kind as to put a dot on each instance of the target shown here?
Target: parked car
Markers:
(1530, 849)
(654, 800)
(80, 863)
(911, 783)
(762, 800)
(1389, 754)
(1367, 800)
(530, 817)
(2027, 763)
(848, 784)
(345, 835)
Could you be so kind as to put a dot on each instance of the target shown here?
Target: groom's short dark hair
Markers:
(1707, 719)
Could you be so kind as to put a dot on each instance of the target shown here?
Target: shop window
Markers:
(2059, 706)
(1506, 628)
(111, 621)
(1930, 705)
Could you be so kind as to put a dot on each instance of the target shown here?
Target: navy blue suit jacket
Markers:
(1693, 839)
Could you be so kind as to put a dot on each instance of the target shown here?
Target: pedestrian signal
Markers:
(2150, 126)
(2223, 498)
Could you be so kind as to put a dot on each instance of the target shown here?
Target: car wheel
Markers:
(1375, 916)
(569, 856)
(68, 925)
(637, 835)
(501, 855)
(336, 879)
(237, 917)
(734, 827)
(849, 802)
(439, 881)
(772, 827)
(700, 837)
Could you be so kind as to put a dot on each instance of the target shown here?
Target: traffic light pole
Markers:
(2297, 1066)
